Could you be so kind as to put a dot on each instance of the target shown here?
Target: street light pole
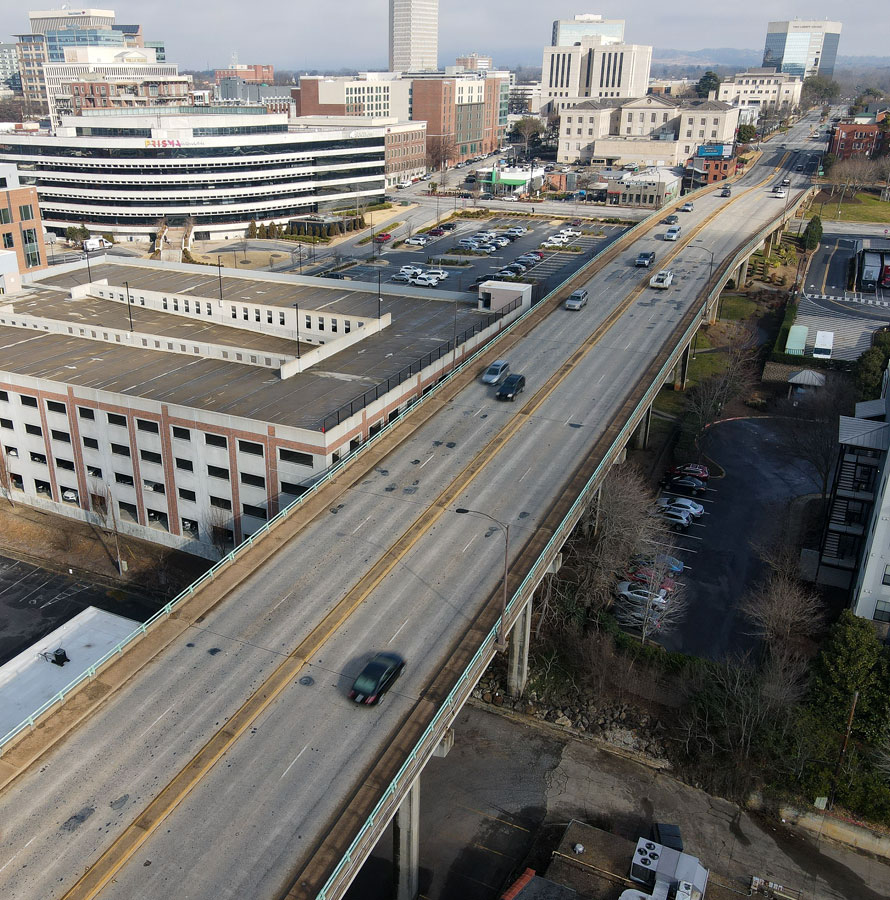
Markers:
(297, 308)
(501, 639)
(86, 253)
(129, 307)
(379, 299)
(219, 273)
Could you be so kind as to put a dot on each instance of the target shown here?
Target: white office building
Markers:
(570, 31)
(802, 47)
(761, 89)
(593, 68)
(215, 168)
(413, 35)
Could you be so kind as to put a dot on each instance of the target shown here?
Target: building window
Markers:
(29, 401)
(185, 494)
(218, 472)
(115, 419)
(6, 423)
(120, 449)
(8, 242)
(215, 440)
(34, 429)
(254, 480)
(145, 425)
(91, 443)
(256, 511)
(220, 502)
(61, 436)
(154, 486)
(65, 464)
(150, 456)
(886, 578)
(183, 434)
(294, 456)
(38, 458)
(85, 413)
(26, 212)
(55, 406)
(250, 447)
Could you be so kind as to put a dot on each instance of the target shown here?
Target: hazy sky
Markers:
(307, 34)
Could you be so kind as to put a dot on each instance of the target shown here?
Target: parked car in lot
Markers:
(410, 270)
(517, 230)
(646, 575)
(441, 274)
(694, 509)
(662, 280)
(436, 232)
(646, 258)
(400, 278)
(382, 238)
(448, 226)
(424, 279)
(496, 372)
(678, 519)
(577, 299)
(417, 241)
(685, 484)
(696, 470)
(558, 239)
(663, 560)
(687, 207)
(569, 232)
(512, 386)
(636, 595)
(501, 241)
(376, 678)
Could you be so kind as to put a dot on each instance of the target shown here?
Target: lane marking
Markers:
(427, 460)
(158, 719)
(473, 538)
(11, 858)
(357, 527)
(292, 762)
(397, 632)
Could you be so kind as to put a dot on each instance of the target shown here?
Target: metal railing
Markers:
(385, 808)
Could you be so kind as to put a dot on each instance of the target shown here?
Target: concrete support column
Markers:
(641, 433)
(742, 274)
(712, 310)
(768, 245)
(681, 372)
(517, 661)
(406, 846)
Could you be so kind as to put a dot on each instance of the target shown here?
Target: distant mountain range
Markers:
(734, 57)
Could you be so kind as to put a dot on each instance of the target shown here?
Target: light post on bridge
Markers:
(501, 640)
(696, 246)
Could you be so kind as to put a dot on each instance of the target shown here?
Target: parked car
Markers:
(552, 245)
(645, 575)
(685, 484)
(646, 258)
(694, 509)
(517, 230)
(501, 241)
(679, 519)
(382, 238)
(437, 231)
(448, 226)
(577, 299)
(417, 241)
(496, 372)
(376, 678)
(558, 239)
(569, 232)
(669, 563)
(399, 278)
(687, 207)
(640, 596)
(410, 270)
(696, 470)
(424, 279)
(662, 280)
(512, 385)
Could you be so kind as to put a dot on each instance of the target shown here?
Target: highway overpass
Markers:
(232, 764)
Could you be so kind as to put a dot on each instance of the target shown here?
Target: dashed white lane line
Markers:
(292, 763)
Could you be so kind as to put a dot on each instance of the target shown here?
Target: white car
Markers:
(517, 229)
(677, 518)
(550, 245)
(683, 503)
(780, 193)
(662, 280)
(417, 241)
(558, 239)
(569, 232)
(424, 279)
(635, 594)
(441, 274)
(501, 241)
(70, 496)
(410, 270)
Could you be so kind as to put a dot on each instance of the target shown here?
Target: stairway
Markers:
(173, 245)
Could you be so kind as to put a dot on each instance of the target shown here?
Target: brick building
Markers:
(858, 140)
(256, 74)
(20, 227)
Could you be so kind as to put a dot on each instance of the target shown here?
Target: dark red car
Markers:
(644, 574)
(436, 232)
(382, 238)
(696, 470)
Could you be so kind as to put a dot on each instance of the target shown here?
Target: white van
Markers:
(98, 243)
(824, 345)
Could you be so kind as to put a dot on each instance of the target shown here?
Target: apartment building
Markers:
(413, 35)
(649, 131)
(254, 74)
(862, 140)
(761, 88)
(593, 67)
(369, 94)
(217, 168)
(21, 229)
(473, 62)
(9, 67)
(188, 406)
(802, 47)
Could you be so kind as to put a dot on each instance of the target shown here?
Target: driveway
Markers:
(743, 509)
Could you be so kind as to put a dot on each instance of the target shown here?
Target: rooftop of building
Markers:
(660, 99)
(422, 322)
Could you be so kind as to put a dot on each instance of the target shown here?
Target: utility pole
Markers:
(843, 753)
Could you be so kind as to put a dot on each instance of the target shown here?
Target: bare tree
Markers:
(216, 527)
(782, 611)
(440, 150)
(811, 423)
(5, 478)
(663, 607)
(102, 505)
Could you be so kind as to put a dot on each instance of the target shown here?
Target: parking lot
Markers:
(555, 267)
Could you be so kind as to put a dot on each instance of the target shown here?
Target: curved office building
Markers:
(217, 168)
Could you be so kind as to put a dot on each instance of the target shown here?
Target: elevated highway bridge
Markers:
(220, 757)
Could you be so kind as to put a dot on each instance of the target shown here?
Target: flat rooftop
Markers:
(422, 321)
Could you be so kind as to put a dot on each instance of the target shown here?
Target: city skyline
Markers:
(295, 37)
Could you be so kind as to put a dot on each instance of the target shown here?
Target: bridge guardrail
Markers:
(389, 801)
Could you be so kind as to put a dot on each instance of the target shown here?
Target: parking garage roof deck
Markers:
(421, 323)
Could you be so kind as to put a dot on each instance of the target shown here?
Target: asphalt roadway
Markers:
(241, 829)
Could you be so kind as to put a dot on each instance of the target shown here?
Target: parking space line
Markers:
(496, 852)
(479, 812)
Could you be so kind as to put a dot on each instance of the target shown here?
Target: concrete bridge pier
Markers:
(742, 274)
(517, 658)
(641, 432)
(406, 846)
(681, 371)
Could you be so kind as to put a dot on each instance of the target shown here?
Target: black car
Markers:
(685, 484)
(376, 678)
(448, 226)
(513, 384)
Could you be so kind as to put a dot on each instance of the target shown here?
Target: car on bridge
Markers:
(670, 220)
(577, 299)
(376, 678)
(646, 258)
(496, 372)
(673, 233)
(662, 280)
(514, 384)
(779, 193)
(687, 207)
